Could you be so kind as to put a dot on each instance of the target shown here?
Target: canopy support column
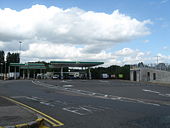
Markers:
(9, 71)
(15, 75)
(89, 73)
(23, 74)
(62, 73)
(28, 74)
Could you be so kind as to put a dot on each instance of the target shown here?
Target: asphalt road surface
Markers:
(95, 103)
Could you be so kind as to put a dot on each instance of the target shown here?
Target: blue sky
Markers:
(157, 11)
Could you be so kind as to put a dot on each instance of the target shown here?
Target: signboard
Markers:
(113, 76)
(120, 75)
(105, 76)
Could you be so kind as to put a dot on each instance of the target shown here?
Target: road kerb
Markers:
(46, 118)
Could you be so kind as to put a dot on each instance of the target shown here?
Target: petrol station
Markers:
(23, 70)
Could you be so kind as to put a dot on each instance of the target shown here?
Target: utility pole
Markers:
(5, 77)
(1, 70)
(157, 59)
(20, 49)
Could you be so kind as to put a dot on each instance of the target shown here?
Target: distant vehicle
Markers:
(55, 77)
(105, 76)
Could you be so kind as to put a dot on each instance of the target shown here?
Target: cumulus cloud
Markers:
(165, 48)
(49, 52)
(164, 1)
(55, 33)
(162, 58)
(146, 41)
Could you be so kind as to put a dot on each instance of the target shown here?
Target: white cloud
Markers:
(125, 52)
(162, 58)
(48, 52)
(146, 41)
(165, 48)
(55, 33)
(164, 1)
(52, 51)
(1, 44)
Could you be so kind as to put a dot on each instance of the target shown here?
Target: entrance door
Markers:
(134, 75)
(148, 76)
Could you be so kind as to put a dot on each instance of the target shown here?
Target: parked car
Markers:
(55, 77)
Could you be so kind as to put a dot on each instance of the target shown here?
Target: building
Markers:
(40, 69)
(147, 74)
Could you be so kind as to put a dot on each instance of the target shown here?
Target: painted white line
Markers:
(94, 109)
(73, 111)
(64, 81)
(82, 110)
(15, 97)
(46, 103)
(160, 94)
(146, 90)
(67, 86)
(86, 109)
(99, 95)
(40, 100)
(83, 80)
(167, 95)
(105, 81)
(60, 102)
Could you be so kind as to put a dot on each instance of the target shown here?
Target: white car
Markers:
(55, 77)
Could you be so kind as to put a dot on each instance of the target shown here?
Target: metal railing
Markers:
(160, 66)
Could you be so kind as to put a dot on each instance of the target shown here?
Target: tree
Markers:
(2, 57)
(12, 58)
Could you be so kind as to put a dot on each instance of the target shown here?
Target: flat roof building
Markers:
(146, 74)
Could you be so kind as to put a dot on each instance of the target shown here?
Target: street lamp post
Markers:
(20, 56)
(1, 69)
(20, 49)
(5, 72)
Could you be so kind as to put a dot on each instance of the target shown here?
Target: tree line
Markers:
(5, 60)
(113, 72)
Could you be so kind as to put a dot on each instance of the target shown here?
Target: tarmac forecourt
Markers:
(14, 114)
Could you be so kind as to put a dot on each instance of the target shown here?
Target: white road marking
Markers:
(60, 102)
(40, 100)
(64, 81)
(83, 80)
(46, 103)
(104, 81)
(82, 110)
(98, 95)
(15, 97)
(86, 109)
(168, 95)
(146, 90)
(73, 111)
(160, 94)
(67, 86)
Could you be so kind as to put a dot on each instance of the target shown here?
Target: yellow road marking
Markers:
(43, 126)
(41, 113)
(21, 125)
